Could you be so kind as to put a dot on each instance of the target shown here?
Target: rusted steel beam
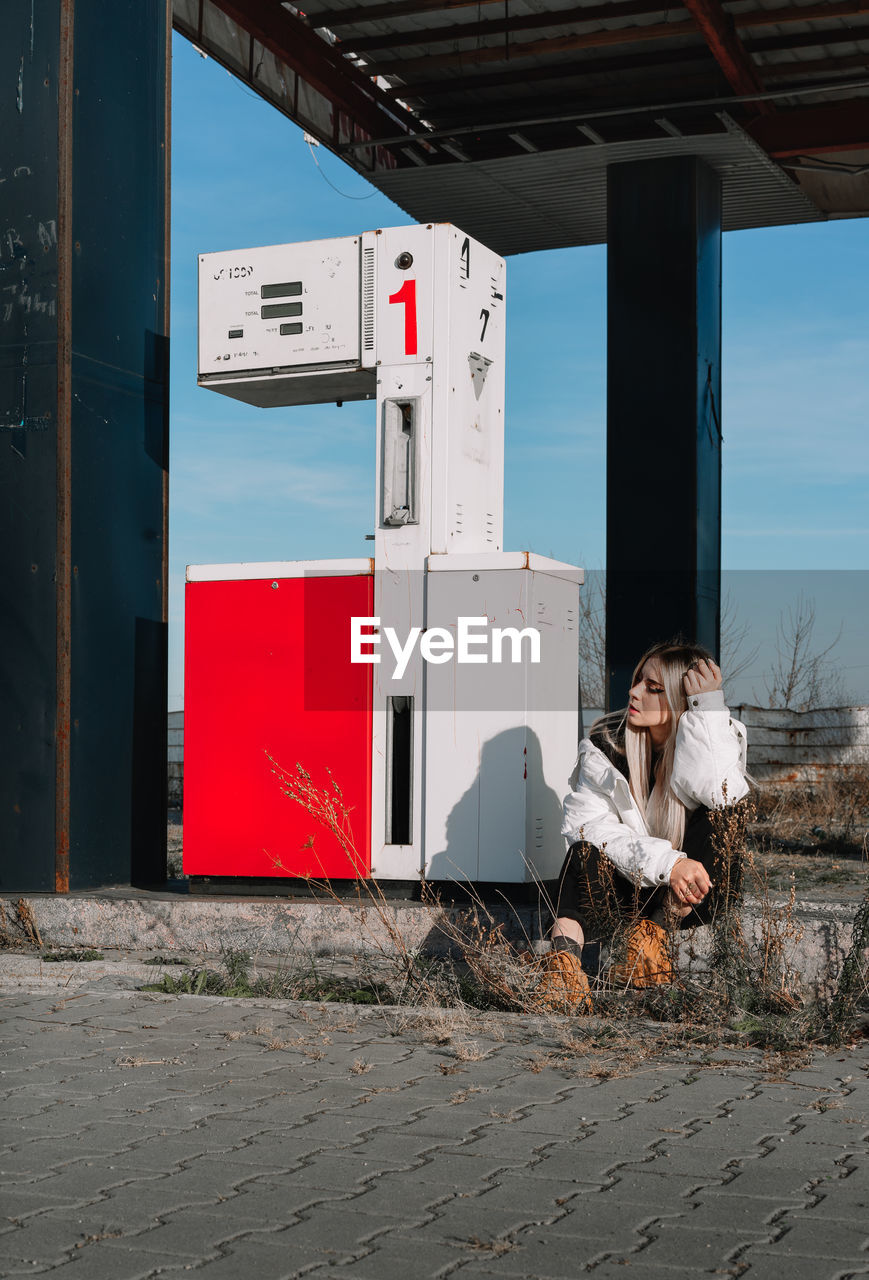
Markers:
(500, 26)
(692, 84)
(482, 81)
(807, 40)
(536, 48)
(817, 66)
(321, 65)
(337, 18)
(567, 133)
(553, 46)
(839, 126)
(800, 13)
(596, 13)
(719, 32)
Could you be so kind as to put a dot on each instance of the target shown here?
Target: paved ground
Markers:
(147, 1134)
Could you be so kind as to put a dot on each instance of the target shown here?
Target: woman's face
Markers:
(647, 706)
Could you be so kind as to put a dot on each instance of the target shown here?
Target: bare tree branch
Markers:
(734, 636)
(592, 638)
(801, 678)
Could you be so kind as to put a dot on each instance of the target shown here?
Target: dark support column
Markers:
(83, 442)
(663, 410)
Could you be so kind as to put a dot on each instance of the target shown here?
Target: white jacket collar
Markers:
(599, 767)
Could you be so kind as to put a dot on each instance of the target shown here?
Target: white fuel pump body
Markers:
(465, 761)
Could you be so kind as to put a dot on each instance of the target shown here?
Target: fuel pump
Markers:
(434, 683)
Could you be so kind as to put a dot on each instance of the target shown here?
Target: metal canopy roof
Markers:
(503, 115)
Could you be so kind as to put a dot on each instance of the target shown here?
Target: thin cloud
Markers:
(795, 533)
(202, 485)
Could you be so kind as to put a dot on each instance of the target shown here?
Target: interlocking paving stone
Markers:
(257, 1256)
(278, 1204)
(539, 1197)
(718, 1246)
(393, 1193)
(48, 1238)
(83, 1180)
(538, 1253)
(618, 1269)
(459, 1223)
(791, 1154)
(744, 1212)
(764, 1264)
(464, 1172)
(100, 1262)
(404, 1148)
(346, 1231)
(819, 1237)
(387, 1156)
(682, 1159)
(17, 1203)
(339, 1170)
(499, 1141)
(391, 1256)
(191, 1234)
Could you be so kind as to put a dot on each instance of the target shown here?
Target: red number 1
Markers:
(407, 296)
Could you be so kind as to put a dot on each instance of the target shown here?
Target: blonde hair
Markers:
(662, 810)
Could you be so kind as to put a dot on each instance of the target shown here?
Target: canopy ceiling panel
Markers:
(503, 115)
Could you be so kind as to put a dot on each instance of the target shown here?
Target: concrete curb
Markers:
(170, 922)
(815, 945)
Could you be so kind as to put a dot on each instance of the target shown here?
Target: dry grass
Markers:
(829, 815)
(127, 1061)
(470, 1053)
(462, 1095)
(495, 1247)
(19, 932)
(740, 989)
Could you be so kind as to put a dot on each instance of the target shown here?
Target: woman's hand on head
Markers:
(702, 677)
(689, 881)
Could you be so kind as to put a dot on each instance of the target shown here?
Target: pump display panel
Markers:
(293, 308)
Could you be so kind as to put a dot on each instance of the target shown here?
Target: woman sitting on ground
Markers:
(638, 825)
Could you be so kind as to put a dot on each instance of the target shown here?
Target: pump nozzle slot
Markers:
(399, 770)
(398, 504)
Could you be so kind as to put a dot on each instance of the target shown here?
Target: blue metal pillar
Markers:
(83, 442)
(663, 410)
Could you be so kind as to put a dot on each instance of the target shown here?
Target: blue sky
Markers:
(288, 484)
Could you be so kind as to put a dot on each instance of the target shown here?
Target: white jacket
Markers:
(710, 751)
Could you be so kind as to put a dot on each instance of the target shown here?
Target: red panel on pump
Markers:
(254, 689)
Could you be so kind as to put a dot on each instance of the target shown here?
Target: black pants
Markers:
(597, 896)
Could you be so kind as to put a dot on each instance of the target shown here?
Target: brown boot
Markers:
(648, 960)
(564, 987)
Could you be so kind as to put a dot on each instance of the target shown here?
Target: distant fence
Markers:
(176, 759)
(796, 746)
(783, 746)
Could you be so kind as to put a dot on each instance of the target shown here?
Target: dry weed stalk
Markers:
(28, 922)
(747, 991)
(853, 982)
(326, 806)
